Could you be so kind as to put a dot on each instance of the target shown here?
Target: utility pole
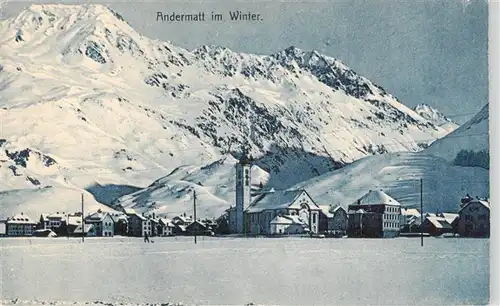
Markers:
(421, 214)
(194, 213)
(83, 223)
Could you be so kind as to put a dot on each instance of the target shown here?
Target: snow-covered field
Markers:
(291, 271)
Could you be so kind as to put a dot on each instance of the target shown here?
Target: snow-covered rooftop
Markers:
(481, 202)
(287, 219)
(410, 212)
(20, 219)
(376, 197)
(96, 216)
(278, 200)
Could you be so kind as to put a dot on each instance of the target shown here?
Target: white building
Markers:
(20, 225)
(165, 227)
(103, 224)
(281, 203)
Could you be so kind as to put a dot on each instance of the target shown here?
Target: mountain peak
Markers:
(433, 115)
(64, 10)
(59, 16)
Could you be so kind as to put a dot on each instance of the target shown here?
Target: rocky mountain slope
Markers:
(87, 101)
(436, 117)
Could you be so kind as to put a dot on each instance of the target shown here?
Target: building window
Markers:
(314, 218)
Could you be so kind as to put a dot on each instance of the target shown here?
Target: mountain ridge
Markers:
(144, 107)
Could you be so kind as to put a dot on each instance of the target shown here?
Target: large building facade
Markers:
(375, 215)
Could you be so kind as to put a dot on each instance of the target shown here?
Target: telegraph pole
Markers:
(194, 214)
(421, 214)
(83, 223)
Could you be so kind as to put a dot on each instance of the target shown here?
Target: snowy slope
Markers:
(436, 117)
(109, 106)
(173, 194)
(397, 174)
(472, 135)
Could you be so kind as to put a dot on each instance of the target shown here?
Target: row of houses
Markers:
(105, 224)
(376, 214)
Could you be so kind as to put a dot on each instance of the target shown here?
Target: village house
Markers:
(103, 225)
(439, 223)
(20, 225)
(410, 220)
(287, 225)
(474, 219)
(56, 223)
(120, 221)
(374, 215)
(182, 220)
(138, 225)
(73, 221)
(197, 228)
(333, 220)
(165, 227)
(155, 222)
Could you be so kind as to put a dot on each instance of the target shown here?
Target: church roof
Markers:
(277, 200)
(376, 197)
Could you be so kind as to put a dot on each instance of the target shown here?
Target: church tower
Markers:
(243, 191)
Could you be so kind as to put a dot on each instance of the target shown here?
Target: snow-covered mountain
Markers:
(85, 100)
(436, 117)
(398, 174)
(471, 136)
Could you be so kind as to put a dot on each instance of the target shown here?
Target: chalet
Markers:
(288, 224)
(281, 203)
(197, 228)
(20, 225)
(474, 219)
(374, 215)
(438, 223)
(332, 220)
(103, 225)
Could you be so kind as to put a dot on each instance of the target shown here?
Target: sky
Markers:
(433, 52)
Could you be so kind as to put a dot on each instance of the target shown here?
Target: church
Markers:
(266, 212)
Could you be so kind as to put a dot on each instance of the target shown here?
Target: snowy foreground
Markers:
(291, 271)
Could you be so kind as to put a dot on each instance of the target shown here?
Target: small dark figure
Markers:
(146, 237)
